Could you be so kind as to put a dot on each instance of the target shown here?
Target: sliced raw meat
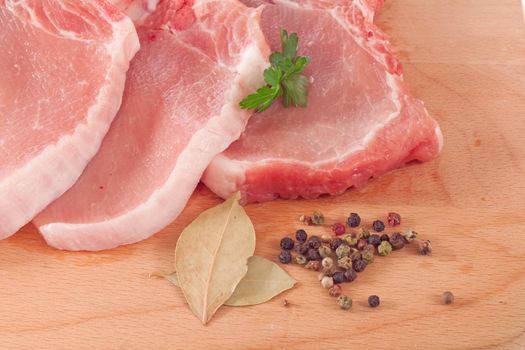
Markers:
(180, 109)
(137, 10)
(360, 121)
(63, 67)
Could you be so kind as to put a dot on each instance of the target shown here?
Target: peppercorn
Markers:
(368, 256)
(410, 235)
(335, 291)
(327, 263)
(313, 254)
(287, 243)
(361, 244)
(326, 238)
(344, 302)
(365, 233)
(314, 242)
(384, 248)
(325, 251)
(374, 240)
(355, 255)
(359, 265)
(335, 243)
(301, 248)
(345, 262)
(313, 265)
(350, 275)
(385, 237)
(285, 257)
(300, 259)
(342, 250)
(350, 239)
(378, 226)
(373, 301)
(317, 218)
(330, 271)
(338, 277)
(447, 297)
(354, 220)
(301, 236)
(397, 241)
(327, 282)
(394, 219)
(424, 247)
(339, 229)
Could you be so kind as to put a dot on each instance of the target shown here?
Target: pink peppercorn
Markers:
(394, 219)
(339, 229)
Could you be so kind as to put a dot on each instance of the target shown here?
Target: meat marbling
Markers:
(180, 109)
(63, 67)
(360, 122)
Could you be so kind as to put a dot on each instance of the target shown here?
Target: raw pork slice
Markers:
(360, 121)
(137, 10)
(63, 67)
(180, 109)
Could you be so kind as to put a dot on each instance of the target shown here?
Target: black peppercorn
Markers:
(374, 240)
(359, 265)
(313, 254)
(285, 257)
(373, 301)
(314, 242)
(287, 243)
(384, 237)
(301, 248)
(354, 220)
(424, 247)
(397, 241)
(361, 244)
(350, 275)
(338, 277)
(378, 226)
(335, 243)
(301, 235)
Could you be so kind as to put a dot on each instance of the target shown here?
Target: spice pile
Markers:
(342, 255)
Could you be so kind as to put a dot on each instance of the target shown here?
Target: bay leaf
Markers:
(264, 280)
(212, 254)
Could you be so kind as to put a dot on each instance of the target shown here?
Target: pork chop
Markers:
(360, 121)
(63, 67)
(180, 109)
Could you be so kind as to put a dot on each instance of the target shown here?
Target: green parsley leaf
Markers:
(283, 78)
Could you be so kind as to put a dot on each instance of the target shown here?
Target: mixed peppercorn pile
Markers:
(341, 255)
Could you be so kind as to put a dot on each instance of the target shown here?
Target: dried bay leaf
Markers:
(264, 280)
(212, 254)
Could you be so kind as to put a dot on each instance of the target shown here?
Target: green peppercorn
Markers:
(384, 248)
(447, 297)
(354, 220)
(344, 302)
(424, 247)
(327, 263)
(342, 250)
(361, 244)
(287, 243)
(335, 291)
(327, 282)
(317, 218)
(365, 233)
(325, 251)
(350, 239)
(313, 265)
(359, 265)
(335, 243)
(410, 235)
(350, 275)
(314, 242)
(301, 236)
(368, 256)
(313, 254)
(397, 241)
(378, 225)
(300, 259)
(345, 262)
(285, 257)
(373, 301)
(338, 277)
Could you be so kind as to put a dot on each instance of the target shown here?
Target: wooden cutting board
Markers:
(466, 60)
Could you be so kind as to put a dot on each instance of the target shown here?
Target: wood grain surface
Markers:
(466, 60)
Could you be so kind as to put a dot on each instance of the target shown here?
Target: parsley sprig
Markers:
(283, 78)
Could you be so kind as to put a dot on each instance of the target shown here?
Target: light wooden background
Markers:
(466, 59)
